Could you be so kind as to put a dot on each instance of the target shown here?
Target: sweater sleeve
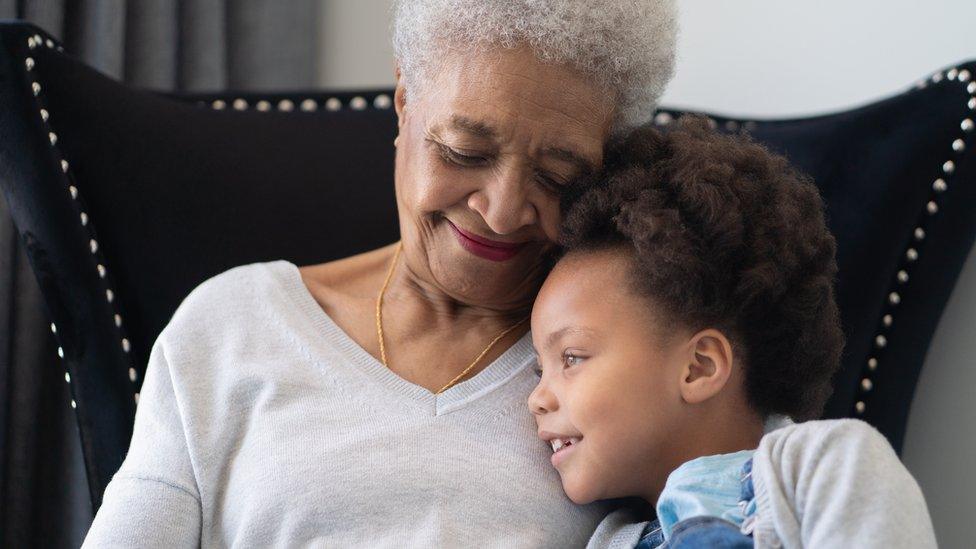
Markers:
(836, 484)
(153, 500)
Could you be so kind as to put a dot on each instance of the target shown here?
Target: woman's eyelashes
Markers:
(467, 159)
(569, 359)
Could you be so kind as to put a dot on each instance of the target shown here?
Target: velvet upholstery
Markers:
(178, 188)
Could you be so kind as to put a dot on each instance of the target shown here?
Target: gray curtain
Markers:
(173, 45)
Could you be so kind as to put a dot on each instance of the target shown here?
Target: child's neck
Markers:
(723, 433)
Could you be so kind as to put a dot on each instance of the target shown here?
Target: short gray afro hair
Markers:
(625, 46)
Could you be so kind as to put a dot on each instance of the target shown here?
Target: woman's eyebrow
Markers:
(474, 127)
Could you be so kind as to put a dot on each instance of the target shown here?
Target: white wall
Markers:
(807, 57)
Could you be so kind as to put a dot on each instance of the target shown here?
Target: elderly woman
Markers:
(380, 399)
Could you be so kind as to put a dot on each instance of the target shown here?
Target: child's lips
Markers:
(563, 453)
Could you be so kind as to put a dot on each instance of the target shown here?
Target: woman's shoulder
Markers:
(229, 298)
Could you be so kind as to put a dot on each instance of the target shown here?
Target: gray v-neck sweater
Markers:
(262, 424)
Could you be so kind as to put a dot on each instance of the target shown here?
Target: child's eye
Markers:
(569, 359)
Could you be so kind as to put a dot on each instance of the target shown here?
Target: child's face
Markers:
(610, 379)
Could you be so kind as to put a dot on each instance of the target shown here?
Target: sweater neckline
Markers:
(512, 362)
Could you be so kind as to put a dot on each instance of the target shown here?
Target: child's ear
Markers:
(708, 368)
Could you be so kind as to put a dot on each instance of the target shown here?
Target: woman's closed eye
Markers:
(459, 157)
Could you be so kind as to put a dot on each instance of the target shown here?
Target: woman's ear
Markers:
(399, 97)
(709, 366)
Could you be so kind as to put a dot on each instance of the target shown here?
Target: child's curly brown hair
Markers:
(724, 234)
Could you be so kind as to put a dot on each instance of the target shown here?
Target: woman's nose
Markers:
(542, 400)
(504, 202)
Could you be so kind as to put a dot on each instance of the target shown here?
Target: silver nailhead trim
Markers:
(382, 101)
(118, 320)
(60, 352)
(958, 145)
(894, 298)
(880, 341)
(972, 104)
(84, 219)
(44, 115)
(219, 105)
(939, 185)
(866, 384)
(357, 103)
(911, 254)
(73, 190)
(860, 407)
(963, 75)
(132, 375)
(263, 106)
(29, 63)
(125, 345)
(966, 125)
(919, 233)
(949, 166)
(93, 244)
(887, 320)
(49, 43)
(333, 104)
(64, 166)
(54, 329)
(932, 208)
(136, 397)
(663, 118)
(53, 137)
(67, 377)
(286, 105)
(73, 404)
(36, 88)
(109, 296)
(872, 364)
(240, 104)
(971, 87)
(101, 270)
(903, 276)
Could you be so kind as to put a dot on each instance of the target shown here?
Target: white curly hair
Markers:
(625, 46)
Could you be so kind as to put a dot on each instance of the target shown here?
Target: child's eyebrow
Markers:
(554, 337)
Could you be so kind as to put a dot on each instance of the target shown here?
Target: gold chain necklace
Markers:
(379, 327)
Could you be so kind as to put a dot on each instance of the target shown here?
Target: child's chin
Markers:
(578, 492)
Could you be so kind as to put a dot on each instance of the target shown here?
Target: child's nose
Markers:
(542, 400)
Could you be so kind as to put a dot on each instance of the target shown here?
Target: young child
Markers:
(695, 302)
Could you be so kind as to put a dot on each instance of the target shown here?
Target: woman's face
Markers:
(482, 153)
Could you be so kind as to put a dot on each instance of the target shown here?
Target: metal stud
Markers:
(219, 104)
(860, 407)
(333, 104)
(932, 208)
(309, 105)
(939, 185)
(240, 104)
(73, 190)
(919, 233)
(964, 75)
(972, 103)
(872, 364)
(53, 137)
(101, 270)
(967, 125)
(36, 88)
(38, 40)
(67, 377)
(60, 49)
(903, 276)
(263, 106)
(958, 145)
(45, 115)
(54, 329)
(922, 84)
(49, 43)
(60, 352)
(73, 405)
(382, 101)
(93, 244)
(749, 126)
(731, 125)
(286, 105)
(132, 375)
(118, 320)
(109, 296)
(949, 166)
(663, 118)
(937, 77)
(894, 298)
(30, 42)
(29, 63)
(125, 345)
(84, 219)
(887, 320)
(357, 103)
(866, 384)
(880, 341)
(136, 397)
(911, 254)
(64, 166)
(952, 74)
(971, 87)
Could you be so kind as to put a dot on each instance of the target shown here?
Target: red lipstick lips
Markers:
(485, 248)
